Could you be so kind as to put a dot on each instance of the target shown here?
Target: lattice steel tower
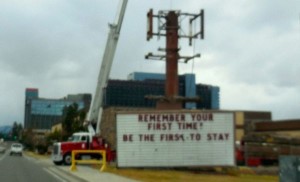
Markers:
(168, 25)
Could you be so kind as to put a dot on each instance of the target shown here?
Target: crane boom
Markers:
(95, 112)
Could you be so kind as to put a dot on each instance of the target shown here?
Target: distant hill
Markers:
(5, 129)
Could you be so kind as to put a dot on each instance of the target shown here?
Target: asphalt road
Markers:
(23, 169)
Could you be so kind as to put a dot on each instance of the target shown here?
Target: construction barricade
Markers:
(88, 161)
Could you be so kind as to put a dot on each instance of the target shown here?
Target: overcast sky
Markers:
(251, 50)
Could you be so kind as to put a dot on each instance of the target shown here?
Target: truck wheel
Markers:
(67, 159)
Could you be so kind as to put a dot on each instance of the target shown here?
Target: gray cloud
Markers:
(250, 50)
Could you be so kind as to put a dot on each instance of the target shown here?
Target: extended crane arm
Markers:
(95, 113)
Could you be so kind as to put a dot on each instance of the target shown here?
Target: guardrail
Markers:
(88, 161)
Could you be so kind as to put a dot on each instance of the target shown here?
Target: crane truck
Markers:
(91, 140)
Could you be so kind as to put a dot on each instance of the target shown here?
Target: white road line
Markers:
(4, 155)
(53, 174)
(29, 158)
(64, 175)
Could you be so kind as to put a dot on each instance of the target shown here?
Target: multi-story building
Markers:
(132, 92)
(209, 96)
(42, 113)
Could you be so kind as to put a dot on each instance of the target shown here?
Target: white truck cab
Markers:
(81, 137)
(62, 150)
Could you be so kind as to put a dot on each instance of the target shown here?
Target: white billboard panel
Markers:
(175, 139)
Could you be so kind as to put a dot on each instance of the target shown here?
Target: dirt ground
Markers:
(162, 175)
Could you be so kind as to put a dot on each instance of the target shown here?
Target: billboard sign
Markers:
(168, 139)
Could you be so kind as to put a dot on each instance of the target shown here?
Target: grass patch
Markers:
(164, 175)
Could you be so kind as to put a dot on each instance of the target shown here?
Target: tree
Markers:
(28, 138)
(73, 119)
(54, 137)
(16, 130)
